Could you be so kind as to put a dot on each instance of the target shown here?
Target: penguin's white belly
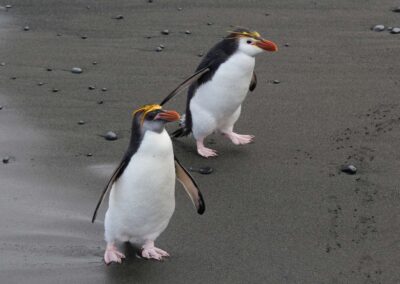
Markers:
(142, 200)
(223, 95)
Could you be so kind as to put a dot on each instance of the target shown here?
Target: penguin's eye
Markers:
(151, 115)
(249, 41)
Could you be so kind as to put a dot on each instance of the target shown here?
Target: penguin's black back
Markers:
(214, 58)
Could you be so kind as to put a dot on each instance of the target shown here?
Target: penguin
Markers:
(142, 188)
(214, 100)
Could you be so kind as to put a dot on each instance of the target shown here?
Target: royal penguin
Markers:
(214, 100)
(142, 188)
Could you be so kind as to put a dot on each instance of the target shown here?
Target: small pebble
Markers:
(119, 17)
(395, 31)
(150, 1)
(378, 28)
(165, 32)
(94, 62)
(8, 6)
(209, 23)
(84, 37)
(6, 160)
(13, 78)
(26, 28)
(202, 170)
(1, 107)
(179, 9)
(91, 87)
(200, 54)
(187, 32)
(396, 10)
(58, 34)
(100, 102)
(88, 7)
(81, 122)
(110, 136)
(104, 89)
(287, 45)
(89, 154)
(159, 49)
(55, 90)
(40, 84)
(76, 70)
(267, 14)
(349, 169)
(162, 46)
(49, 69)
(276, 82)
(2, 64)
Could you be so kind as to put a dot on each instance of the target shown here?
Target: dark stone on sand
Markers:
(40, 84)
(94, 62)
(179, 9)
(348, 169)
(287, 45)
(2, 64)
(100, 102)
(104, 89)
(91, 87)
(55, 90)
(110, 136)
(165, 32)
(395, 31)
(49, 69)
(26, 28)
(89, 154)
(8, 6)
(150, 1)
(58, 34)
(6, 160)
(396, 10)
(200, 54)
(209, 23)
(1, 107)
(13, 78)
(162, 46)
(84, 37)
(267, 14)
(202, 170)
(81, 122)
(276, 82)
(118, 17)
(76, 70)
(378, 28)
(159, 49)
(188, 32)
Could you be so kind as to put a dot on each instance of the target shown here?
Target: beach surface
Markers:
(278, 210)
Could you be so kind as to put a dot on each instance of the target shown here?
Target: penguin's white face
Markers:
(252, 46)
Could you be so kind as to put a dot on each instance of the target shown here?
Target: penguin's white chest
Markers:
(142, 200)
(225, 92)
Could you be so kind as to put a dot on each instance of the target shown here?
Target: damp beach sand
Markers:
(278, 211)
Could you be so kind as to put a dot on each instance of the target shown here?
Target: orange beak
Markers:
(168, 115)
(266, 45)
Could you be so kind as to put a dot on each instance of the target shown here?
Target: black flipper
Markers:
(185, 84)
(180, 132)
(190, 186)
(253, 83)
(117, 173)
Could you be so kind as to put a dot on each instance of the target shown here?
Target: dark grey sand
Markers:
(278, 211)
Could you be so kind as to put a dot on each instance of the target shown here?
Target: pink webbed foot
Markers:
(204, 151)
(151, 252)
(239, 139)
(112, 254)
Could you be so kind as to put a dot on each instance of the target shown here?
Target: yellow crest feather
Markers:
(146, 109)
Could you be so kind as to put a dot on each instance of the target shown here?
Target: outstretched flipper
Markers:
(253, 83)
(190, 186)
(117, 173)
(185, 84)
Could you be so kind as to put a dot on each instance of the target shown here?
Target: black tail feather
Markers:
(180, 132)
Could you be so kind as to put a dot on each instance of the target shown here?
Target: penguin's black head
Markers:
(251, 42)
(153, 117)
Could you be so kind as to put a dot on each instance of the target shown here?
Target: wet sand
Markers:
(278, 211)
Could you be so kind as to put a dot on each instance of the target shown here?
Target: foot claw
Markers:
(239, 139)
(113, 255)
(207, 152)
(154, 253)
